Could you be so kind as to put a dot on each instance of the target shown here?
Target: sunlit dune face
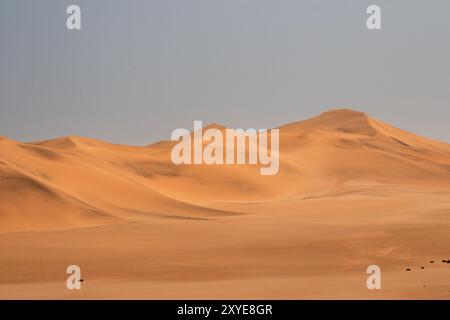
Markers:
(351, 191)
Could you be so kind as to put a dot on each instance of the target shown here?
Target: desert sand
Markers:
(351, 192)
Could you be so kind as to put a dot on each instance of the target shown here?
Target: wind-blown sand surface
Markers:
(352, 191)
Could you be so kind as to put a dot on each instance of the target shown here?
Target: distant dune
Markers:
(351, 191)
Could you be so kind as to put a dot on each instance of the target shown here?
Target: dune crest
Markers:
(74, 181)
(352, 191)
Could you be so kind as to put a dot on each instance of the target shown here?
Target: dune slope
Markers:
(351, 191)
(73, 181)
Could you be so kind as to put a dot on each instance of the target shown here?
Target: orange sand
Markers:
(351, 191)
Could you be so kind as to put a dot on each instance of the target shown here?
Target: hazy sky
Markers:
(139, 69)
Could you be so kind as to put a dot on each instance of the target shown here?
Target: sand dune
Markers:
(351, 191)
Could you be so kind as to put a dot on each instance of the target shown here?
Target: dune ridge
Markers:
(352, 191)
(74, 181)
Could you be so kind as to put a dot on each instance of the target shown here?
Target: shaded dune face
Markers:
(73, 181)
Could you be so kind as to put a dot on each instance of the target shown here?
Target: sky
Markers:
(139, 69)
